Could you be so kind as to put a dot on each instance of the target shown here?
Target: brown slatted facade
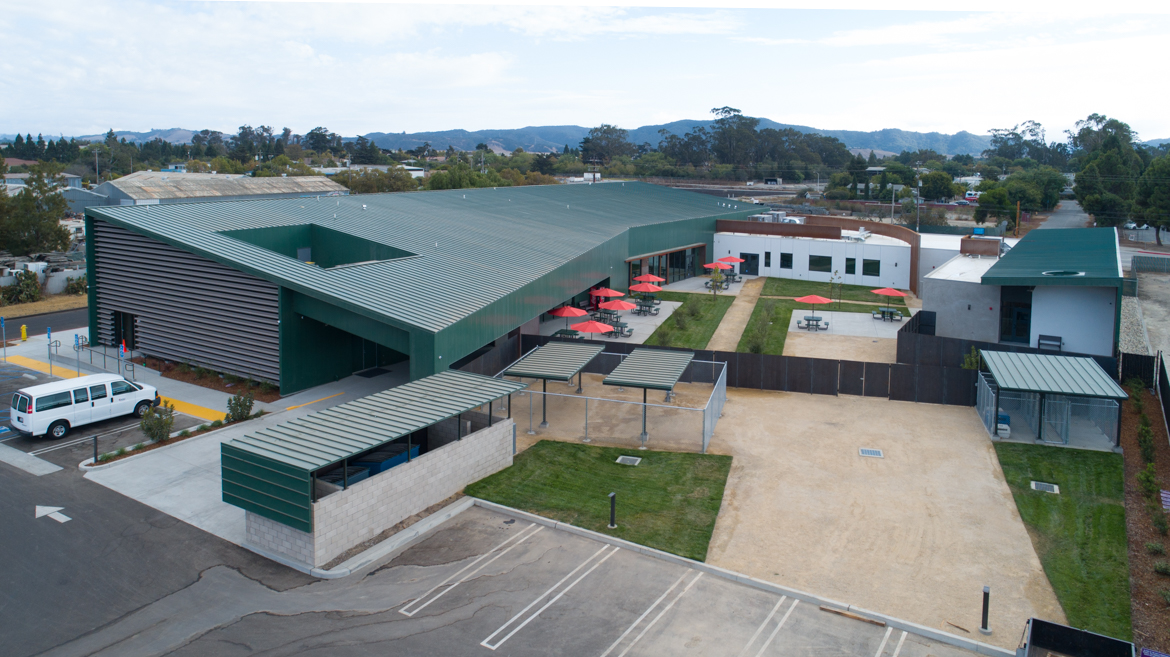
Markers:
(188, 308)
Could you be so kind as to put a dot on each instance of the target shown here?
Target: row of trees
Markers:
(30, 219)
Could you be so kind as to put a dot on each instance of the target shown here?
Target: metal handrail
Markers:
(124, 366)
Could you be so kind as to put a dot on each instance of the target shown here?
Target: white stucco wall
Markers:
(1082, 316)
(930, 260)
(895, 260)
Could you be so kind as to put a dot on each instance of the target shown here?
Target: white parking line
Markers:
(885, 639)
(777, 630)
(660, 615)
(900, 642)
(485, 643)
(644, 615)
(404, 611)
(78, 441)
(743, 653)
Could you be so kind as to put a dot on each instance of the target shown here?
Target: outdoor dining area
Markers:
(848, 323)
(605, 308)
(725, 279)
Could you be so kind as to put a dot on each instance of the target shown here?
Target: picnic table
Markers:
(621, 330)
(566, 333)
(812, 323)
(888, 314)
(646, 308)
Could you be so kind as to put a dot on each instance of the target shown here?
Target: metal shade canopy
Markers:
(558, 361)
(1060, 375)
(650, 368)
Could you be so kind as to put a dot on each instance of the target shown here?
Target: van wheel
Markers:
(58, 429)
(141, 409)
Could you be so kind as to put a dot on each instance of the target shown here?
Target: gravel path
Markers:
(1133, 334)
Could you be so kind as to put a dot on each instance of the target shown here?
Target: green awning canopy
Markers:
(1059, 375)
(556, 361)
(1069, 256)
(650, 368)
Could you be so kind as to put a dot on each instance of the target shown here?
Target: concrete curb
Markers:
(914, 628)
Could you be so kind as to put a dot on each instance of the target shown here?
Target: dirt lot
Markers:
(915, 534)
(842, 347)
(49, 304)
(1154, 292)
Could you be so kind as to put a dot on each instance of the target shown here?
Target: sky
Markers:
(81, 67)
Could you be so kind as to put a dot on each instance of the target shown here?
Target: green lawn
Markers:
(789, 287)
(696, 329)
(768, 326)
(669, 501)
(1078, 534)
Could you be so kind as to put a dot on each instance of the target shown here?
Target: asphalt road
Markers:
(1068, 214)
(66, 319)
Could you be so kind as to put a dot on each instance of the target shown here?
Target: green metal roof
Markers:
(650, 368)
(327, 437)
(557, 361)
(1061, 375)
(464, 249)
(1070, 256)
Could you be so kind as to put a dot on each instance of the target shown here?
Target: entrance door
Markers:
(124, 329)
(750, 265)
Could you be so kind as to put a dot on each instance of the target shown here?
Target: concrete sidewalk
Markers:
(735, 320)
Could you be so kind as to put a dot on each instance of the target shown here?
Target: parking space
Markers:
(485, 583)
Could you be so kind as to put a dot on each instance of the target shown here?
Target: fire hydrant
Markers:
(24, 332)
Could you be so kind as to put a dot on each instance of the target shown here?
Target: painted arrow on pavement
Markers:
(53, 512)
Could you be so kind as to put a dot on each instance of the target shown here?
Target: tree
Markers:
(366, 152)
(606, 142)
(30, 222)
(373, 181)
(937, 185)
(320, 140)
(994, 204)
(733, 137)
(1152, 200)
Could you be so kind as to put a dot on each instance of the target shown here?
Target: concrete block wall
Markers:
(274, 537)
(367, 508)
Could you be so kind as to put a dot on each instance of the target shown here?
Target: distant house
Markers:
(175, 167)
(415, 172)
(1065, 284)
(157, 187)
(69, 179)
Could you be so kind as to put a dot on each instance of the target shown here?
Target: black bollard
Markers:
(984, 629)
(613, 510)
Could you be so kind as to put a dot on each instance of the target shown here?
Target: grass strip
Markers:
(693, 323)
(669, 501)
(1079, 534)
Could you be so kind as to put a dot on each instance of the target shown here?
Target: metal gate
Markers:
(1056, 419)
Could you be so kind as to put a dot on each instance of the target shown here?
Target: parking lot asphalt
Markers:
(485, 583)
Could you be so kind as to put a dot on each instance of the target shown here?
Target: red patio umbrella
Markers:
(645, 287)
(567, 312)
(618, 304)
(888, 292)
(592, 327)
(717, 265)
(606, 292)
(813, 299)
(731, 259)
(649, 278)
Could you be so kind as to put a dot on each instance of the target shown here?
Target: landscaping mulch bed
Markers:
(211, 380)
(197, 431)
(1151, 613)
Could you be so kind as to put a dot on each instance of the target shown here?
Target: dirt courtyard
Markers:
(1154, 292)
(841, 347)
(916, 534)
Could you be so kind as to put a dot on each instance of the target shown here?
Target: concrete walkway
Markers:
(726, 337)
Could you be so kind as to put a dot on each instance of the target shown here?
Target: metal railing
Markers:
(110, 362)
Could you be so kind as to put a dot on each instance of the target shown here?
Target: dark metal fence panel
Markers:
(877, 380)
(852, 380)
(930, 384)
(960, 386)
(800, 374)
(775, 372)
(903, 382)
(926, 321)
(1164, 389)
(825, 376)
(907, 346)
(1139, 366)
(751, 371)
(728, 357)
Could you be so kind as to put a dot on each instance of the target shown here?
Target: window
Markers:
(786, 261)
(97, 392)
(820, 263)
(20, 403)
(850, 265)
(80, 395)
(871, 267)
(767, 258)
(121, 388)
(49, 402)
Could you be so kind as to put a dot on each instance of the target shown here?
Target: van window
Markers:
(20, 403)
(80, 395)
(121, 388)
(56, 400)
(97, 392)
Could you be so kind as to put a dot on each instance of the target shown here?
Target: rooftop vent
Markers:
(871, 452)
(628, 460)
(1064, 272)
(1047, 488)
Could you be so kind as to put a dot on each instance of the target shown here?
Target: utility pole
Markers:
(1017, 218)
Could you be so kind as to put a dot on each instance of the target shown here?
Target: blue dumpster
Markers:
(384, 458)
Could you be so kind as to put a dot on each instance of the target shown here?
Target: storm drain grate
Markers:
(629, 460)
(869, 451)
(1047, 488)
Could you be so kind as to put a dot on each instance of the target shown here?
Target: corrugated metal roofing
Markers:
(474, 246)
(1062, 375)
(1070, 256)
(650, 368)
(327, 437)
(148, 185)
(557, 361)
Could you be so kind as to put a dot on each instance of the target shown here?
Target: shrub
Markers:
(1162, 568)
(103, 458)
(1155, 548)
(158, 422)
(267, 387)
(1135, 400)
(215, 424)
(201, 372)
(26, 289)
(139, 446)
(758, 338)
(1165, 593)
(183, 368)
(1145, 440)
(1159, 520)
(239, 407)
(203, 427)
(76, 286)
(680, 321)
(695, 308)
(1144, 420)
(184, 433)
(231, 378)
(120, 451)
(1148, 481)
(972, 360)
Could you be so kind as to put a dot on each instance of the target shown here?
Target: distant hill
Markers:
(544, 139)
(1156, 142)
(172, 135)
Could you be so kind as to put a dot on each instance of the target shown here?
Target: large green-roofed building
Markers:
(307, 290)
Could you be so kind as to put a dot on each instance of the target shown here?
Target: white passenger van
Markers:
(54, 408)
